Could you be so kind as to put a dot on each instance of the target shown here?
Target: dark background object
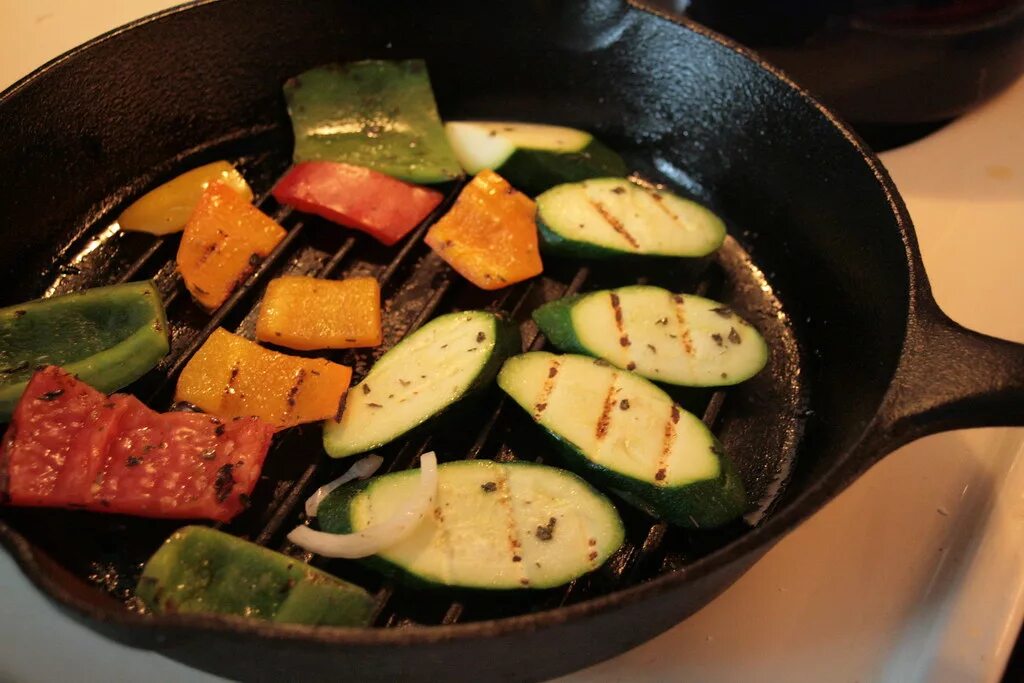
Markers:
(896, 69)
(822, 258)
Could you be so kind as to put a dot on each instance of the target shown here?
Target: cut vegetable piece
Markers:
(71, 446)
(204, 571)
(421, 377)
(674, 338)
(613, 216)
(361, 469)
(225, 239)
(107, 336)
(357, 197)
(495, 525)
(167, 208)
(232, 377)
(385, 532)
(533, 157)
(377, 114)
(308, 313)
(624, 432)
(490, 235)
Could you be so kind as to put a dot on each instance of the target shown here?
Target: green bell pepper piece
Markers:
(377, 114)
(107, 336)
(200, 570)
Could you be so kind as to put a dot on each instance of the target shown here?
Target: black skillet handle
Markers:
(950, 377)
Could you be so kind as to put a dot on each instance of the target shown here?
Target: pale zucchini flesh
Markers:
(679, 339)
(480, 145)
(614, 216)
(532, 157)
(495, 526)
(419, 378)
(629, 435)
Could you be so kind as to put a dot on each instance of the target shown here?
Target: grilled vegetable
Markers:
(613, 216)
(225, 239)
(167, 208)
(356, 197)
(490, 235)
(308, 313)
(494, 525)
(533, 157)
(377, 114)
(200, 570)
(624, 432)
(71, 446)
(107, 336)
(421, 377)
(674, 338)
(231, 377)
(384, 532)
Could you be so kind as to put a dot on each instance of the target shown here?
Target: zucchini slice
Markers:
(495, 526)
(533, 157)
(422, 376)
(624, 432)
(674, 338)
(607, 217)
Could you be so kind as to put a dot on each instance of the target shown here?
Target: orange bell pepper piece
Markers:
(225, 239)
(233, 377)
(490, 235)
(307, 313)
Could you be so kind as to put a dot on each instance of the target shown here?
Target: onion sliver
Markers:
(376, 537)
(360, 470)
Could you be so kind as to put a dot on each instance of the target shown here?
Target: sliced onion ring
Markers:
(360, 470)
(376, 537)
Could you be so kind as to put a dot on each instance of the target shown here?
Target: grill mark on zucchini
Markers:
(514, 544)
(617, 310)
(684, 332)
(659, 202)
(661, 471)
(616, 224)
(605, 421)
(545, 392)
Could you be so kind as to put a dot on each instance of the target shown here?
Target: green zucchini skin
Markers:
(534, 171)
(701, 505)
(107, 336)
(723, 349)
(614, 217)
(202, 570)
(335, 516)
(507, 342)
(702, 502)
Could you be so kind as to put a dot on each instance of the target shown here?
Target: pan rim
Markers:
(751, 545)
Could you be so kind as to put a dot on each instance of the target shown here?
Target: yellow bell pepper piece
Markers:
(166, 209)
(233, 377)
(307, 313)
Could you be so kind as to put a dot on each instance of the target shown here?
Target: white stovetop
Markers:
(915, 573)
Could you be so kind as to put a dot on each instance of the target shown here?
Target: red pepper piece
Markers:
(379, 205)
(68, 445)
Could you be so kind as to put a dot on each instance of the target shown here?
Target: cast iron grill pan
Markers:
(759, 422)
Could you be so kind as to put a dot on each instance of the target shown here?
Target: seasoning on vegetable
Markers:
(355, 197)
(221, 238)
(201, 570)
(231, 376)
(489, 236)
(309, 313)
(108, 336)
(374, 113)
(167, 208)
(81, 450)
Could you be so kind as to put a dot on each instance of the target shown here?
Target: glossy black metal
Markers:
(823, 258)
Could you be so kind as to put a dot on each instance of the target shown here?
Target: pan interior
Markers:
(759, 422)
